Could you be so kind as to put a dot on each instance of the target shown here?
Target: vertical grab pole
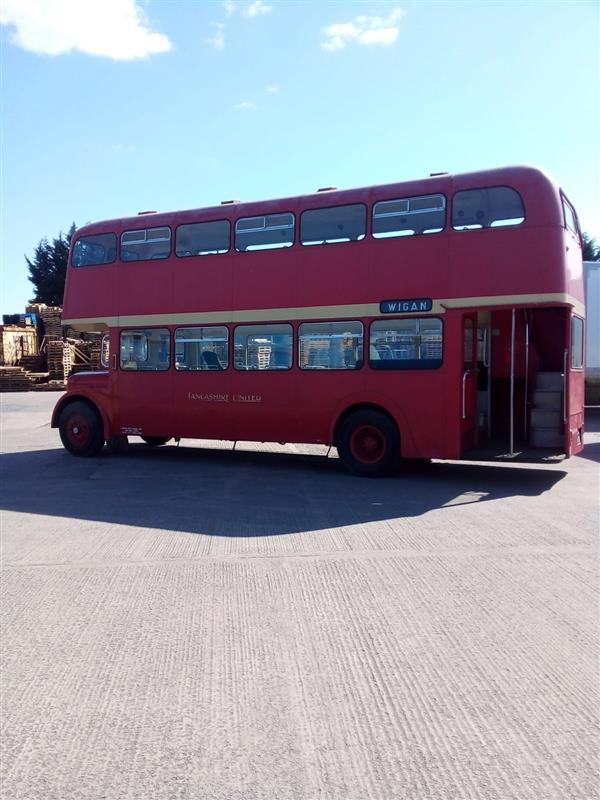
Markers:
(512, 386)
(526, 316)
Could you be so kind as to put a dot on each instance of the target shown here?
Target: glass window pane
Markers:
(146, 349)
(88, 251)
(570, 221)
(338, 224)
(203, 238)
(409, 216)
(264, 233)
(330, 345)
(263, 347)
(406, 343)
(146, 245)
(576, 343)
(487, 208)
(202, 348)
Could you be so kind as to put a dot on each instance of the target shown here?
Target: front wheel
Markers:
(368, 443)
(81, 430)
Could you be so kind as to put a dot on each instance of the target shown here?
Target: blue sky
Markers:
(110, 107)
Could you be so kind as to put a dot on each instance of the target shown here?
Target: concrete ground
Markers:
(196, 623)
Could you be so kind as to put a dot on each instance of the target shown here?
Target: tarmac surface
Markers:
(199, 623)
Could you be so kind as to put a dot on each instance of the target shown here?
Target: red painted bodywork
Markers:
(538, 257)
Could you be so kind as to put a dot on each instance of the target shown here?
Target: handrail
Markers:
(466, 374)
(565, 357)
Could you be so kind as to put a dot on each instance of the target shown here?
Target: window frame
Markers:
(99, 264)
(145, 241)
(143, 330)
(263, 325)
(566, 204)
(203, 327)
(204, 222)
(399, 234)
(575, 318)
(330, 322)
(486, 227)
(421, 362)
(264, 216)
(327, 242)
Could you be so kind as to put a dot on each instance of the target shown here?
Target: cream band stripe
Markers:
(318, 312)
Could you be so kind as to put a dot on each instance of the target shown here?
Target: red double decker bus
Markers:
(415, 320)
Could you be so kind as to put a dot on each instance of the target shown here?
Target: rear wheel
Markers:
(368, 443)
(156, 441)
(81, 429)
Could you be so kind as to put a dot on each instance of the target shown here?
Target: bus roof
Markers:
(514, 175)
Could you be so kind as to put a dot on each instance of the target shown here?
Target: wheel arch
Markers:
(73, 398)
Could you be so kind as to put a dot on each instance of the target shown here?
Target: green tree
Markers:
(48, 268)
(591, 251)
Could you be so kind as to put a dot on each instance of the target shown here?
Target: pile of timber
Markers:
(59, 355)
(35, 363)
(14, 379)
(52, 318)
(86, 354)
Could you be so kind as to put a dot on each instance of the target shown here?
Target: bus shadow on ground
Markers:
(245, 494)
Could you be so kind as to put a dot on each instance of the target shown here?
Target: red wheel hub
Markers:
(78, 430)
(367, 444)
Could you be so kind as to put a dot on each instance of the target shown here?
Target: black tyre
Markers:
(368, 443)
(81, 429)
(156, 441)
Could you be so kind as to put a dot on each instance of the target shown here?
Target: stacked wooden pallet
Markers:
(59, 360)
(52, 318)
(14, 379)
(86, 354)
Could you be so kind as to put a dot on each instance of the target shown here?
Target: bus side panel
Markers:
(90, 293)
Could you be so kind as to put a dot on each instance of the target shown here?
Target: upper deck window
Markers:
(203, 238)
(570, 218)
(267, 232)
(88, 251)
(409, 216)
(337, 224)
(487, 208)
(146, 244)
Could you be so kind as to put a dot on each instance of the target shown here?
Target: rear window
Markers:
(88, 251)
(487, 208)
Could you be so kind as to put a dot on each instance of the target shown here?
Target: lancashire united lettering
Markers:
(210, 397)
(408, 306)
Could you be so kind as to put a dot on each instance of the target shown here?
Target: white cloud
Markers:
(246, 106)
(218, 40)
(229, 7)
(363, 30)
(258, 7)
(272, 89)
(116, 29)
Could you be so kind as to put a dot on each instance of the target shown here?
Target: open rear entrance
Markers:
(523, 384)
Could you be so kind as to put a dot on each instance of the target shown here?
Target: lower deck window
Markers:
(406, 343)
(202, 348)
(147, 349)
(263, 347)
(576, 343)
(330, 345)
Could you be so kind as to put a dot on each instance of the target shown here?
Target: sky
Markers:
(110, 107)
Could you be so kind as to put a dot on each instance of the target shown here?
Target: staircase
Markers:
(546, 427)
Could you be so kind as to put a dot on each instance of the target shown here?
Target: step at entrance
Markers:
(546, 421)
